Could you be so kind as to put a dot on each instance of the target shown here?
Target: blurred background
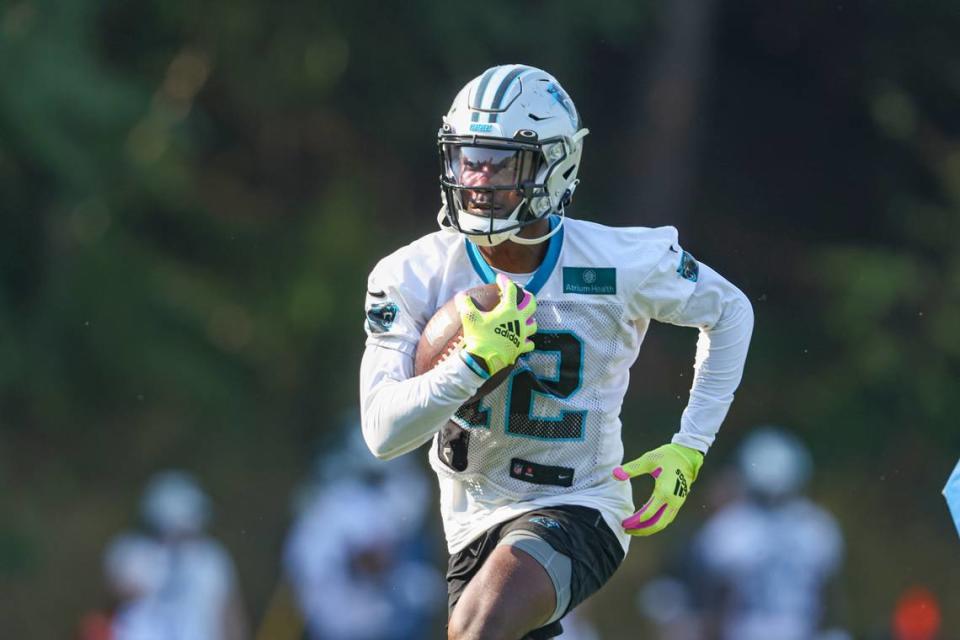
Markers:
(192, 195)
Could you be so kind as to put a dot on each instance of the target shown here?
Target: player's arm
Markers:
(400, 412)
(724, 316)
(680, 291)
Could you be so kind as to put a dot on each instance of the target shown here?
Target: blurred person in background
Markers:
(763, 565)
(577, 626)
(200, 593)
(356, 556)
(768, 559)
(136, 568)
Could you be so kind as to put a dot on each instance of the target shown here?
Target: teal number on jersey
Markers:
(526, 385)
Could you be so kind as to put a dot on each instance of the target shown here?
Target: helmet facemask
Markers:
(488, 185)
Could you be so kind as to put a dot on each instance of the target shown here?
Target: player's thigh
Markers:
(510, 595)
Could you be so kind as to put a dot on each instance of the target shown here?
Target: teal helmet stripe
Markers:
(504, 87)
(498, 75)
(482, 87)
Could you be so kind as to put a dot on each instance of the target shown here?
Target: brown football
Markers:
(443, 333)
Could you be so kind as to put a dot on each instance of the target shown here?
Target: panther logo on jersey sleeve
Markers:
(381, 316)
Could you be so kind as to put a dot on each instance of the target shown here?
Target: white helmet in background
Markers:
(519, 121)
(774, 463)
(173, 504)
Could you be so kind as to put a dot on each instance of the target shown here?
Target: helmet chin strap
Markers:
(489, 239)
(442, 220)
(493, 239)
(529, 241)
(561, 209)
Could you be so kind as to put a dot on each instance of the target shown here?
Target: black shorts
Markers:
(582, 535)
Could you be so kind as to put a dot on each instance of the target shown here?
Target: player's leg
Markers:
(510, 595)
(572, 545)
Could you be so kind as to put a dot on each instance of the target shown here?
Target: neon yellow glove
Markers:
(499, 336)
(674, 467)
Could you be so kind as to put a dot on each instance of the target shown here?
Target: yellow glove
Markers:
(499, 336)
(674, 467)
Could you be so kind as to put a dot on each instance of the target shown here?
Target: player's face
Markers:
(486, 167)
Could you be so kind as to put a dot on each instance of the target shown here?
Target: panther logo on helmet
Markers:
(564, 100)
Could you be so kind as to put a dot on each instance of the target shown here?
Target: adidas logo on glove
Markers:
(680, 489)
(510, 331)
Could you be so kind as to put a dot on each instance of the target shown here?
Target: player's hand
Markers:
(674, 468)
(499, 336)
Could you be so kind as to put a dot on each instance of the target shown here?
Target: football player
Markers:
(537, 508)
(768, 562)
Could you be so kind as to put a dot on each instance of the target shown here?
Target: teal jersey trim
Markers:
(540, 276)
(479, 264)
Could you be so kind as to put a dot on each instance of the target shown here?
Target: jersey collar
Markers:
(540, 276)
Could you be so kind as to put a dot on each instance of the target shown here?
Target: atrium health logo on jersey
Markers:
(590, 280)
(381, 316)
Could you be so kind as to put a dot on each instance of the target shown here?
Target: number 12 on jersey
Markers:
(526, 390)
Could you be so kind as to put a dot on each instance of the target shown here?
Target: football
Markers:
(444, 332)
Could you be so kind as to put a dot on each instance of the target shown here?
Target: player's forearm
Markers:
(399, 412)
(721, 355)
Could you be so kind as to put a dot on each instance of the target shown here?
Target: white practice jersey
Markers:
(550, 434)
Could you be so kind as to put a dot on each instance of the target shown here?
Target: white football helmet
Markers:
(509, 154)
(774, 463)
(173, 504)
